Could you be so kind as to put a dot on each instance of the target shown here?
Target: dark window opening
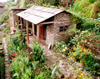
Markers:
(35, 29)
(19, 22)
(30, 27)
(63, 28)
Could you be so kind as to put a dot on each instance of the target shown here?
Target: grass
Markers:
(86, 8)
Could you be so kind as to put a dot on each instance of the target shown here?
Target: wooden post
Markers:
(38, 32)
(27, 31)
(21, 23)
(33, 29)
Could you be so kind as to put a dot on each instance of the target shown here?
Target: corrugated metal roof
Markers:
(38, 14)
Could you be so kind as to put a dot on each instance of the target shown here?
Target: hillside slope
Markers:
(87, 8)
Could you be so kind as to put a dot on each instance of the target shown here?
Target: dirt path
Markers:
(66, 66)
(65, 69)
(7, 64)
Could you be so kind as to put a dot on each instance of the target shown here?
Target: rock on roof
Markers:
(38, 14)
(1, 4)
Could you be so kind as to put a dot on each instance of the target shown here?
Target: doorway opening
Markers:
(35, 29)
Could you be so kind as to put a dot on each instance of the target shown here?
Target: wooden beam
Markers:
(38, 32)
(21, 23)
(27, 29)
(54, 22)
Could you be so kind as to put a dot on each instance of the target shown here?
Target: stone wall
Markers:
(1, 10)
(49, 34)
(61, 36)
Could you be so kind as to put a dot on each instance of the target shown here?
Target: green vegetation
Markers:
(2, 67)
(26, 62)
(7, 29)
(92, 1)
(87, 8)
(15, 42)
(61, 47)
(83, 45)
(4, 18)
(88, 60)
(38, 52)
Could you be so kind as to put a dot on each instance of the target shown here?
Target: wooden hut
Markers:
(47, 24)
(14, 19)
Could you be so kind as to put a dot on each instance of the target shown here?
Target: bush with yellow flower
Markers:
(88, 60)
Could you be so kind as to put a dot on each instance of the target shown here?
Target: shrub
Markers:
(50, 2)
(99, 4)
(16, 42)
(61, 47)
(4, 18)
(92, 1)
(7, 29)
(85, 57)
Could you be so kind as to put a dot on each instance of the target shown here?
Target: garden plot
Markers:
(25, 62)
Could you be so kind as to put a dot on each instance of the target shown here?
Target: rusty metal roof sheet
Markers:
(38, 14)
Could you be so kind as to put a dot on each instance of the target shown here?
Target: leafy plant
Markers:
(19, 68)
(16, 42)
(38, 52)
(99, 16)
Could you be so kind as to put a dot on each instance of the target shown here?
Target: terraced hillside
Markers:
(2, 59)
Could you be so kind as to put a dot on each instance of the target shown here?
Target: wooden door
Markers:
(41, 32)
